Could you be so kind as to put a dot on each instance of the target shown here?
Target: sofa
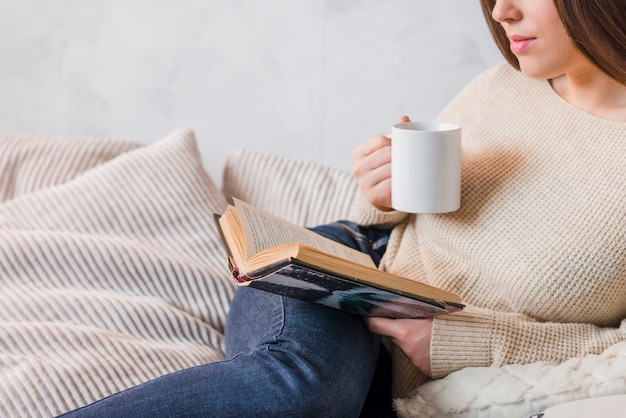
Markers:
(112, 273)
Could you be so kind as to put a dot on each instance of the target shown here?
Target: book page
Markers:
(263, 230)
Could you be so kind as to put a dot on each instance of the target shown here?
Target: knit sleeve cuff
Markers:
(364, 213)
(460, 340)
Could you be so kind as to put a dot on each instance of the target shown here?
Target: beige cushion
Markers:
(29, 162)
(299, 191)
(110, 279)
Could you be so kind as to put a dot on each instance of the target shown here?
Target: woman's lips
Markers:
(520, 43)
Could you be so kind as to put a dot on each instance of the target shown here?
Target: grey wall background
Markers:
(303, 78)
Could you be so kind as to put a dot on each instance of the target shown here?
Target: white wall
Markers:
(304, 78)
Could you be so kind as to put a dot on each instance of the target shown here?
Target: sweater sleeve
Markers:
(479, 337)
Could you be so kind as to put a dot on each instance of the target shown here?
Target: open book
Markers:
(274, 255)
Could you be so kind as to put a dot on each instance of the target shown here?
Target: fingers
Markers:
(371, 167)
(373, 144)
(370, 146)
(393, 328)
(370, 161)
(381, 326)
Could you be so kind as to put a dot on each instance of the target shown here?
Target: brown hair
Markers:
(597, 29)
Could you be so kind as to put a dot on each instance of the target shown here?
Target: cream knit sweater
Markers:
(538, 249)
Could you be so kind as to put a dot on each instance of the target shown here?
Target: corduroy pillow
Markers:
(110, 279)
(303, 192)
(29, 162)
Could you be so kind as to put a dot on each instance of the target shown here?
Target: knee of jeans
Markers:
(311, 389)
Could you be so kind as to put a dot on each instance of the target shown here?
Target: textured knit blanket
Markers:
(520, 390)
(112, 273)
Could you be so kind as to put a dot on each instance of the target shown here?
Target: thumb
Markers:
(382, 326)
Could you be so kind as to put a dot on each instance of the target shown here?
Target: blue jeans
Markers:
(284, 358)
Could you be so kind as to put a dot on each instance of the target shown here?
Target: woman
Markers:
(536, 250)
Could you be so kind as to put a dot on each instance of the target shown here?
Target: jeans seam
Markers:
(279, 326)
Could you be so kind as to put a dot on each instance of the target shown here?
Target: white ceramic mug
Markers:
(426, 167)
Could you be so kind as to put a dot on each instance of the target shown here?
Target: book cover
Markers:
(308, 283)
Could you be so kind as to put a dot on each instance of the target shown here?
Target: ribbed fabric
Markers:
(538, 249)
(110, 279)
(29, 162)
(302, 192)
(111, 269)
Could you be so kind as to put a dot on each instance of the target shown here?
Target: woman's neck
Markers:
(594, 93)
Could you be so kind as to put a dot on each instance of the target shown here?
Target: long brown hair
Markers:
(597, 29)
